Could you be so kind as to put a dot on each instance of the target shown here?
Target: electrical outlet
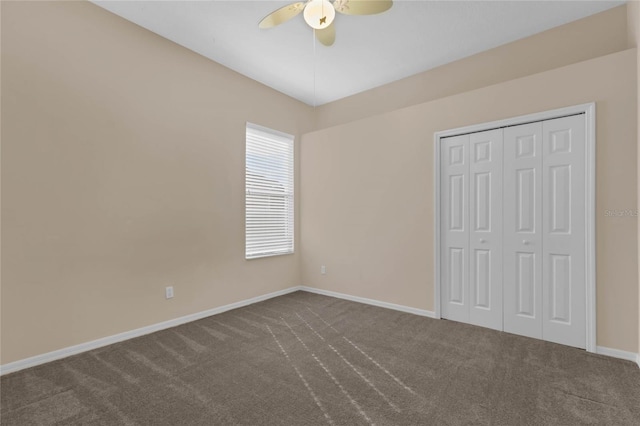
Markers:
(323, 269)
(168, 292)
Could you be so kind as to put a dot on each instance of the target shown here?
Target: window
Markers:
(269, 193)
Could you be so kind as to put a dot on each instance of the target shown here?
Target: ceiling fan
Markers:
(319, 14)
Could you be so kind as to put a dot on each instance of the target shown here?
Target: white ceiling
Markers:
(413, 36)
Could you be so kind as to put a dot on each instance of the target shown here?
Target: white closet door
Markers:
(454, 213)
(485, 223)
(563, 292)
(513, 216)
(523, 230)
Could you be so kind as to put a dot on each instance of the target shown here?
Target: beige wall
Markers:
(633, 29)
(367, 189)
(594, 36)
(0, 187)
(122, 173)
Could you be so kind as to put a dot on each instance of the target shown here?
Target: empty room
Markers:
(329, 212)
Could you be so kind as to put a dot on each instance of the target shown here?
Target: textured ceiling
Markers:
(413, 36)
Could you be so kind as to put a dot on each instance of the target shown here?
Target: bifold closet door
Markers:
(563, 227)
(523, 230)
(454, 214)
(544, 230)
(471, 261)
(485, 229)
(512, 237)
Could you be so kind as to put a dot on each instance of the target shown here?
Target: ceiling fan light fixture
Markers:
(319, 14)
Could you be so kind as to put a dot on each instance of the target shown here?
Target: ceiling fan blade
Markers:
(362, 7)
(326, 36)
(281, 15)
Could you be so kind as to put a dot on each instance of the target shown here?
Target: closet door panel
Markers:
(454, 213)
(522, 210)
(563, 292)
(485, 234)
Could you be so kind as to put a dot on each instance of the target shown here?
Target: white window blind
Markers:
(269, 192)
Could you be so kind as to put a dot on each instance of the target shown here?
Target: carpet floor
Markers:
(306, 359)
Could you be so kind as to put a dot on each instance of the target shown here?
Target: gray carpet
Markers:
(305, 359)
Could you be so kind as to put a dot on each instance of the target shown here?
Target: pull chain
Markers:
(314, 68)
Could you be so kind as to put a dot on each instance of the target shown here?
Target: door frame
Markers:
(589, 110)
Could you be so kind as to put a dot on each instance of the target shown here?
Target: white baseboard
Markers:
(617, 353)
(402, 308)
(94, 344)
